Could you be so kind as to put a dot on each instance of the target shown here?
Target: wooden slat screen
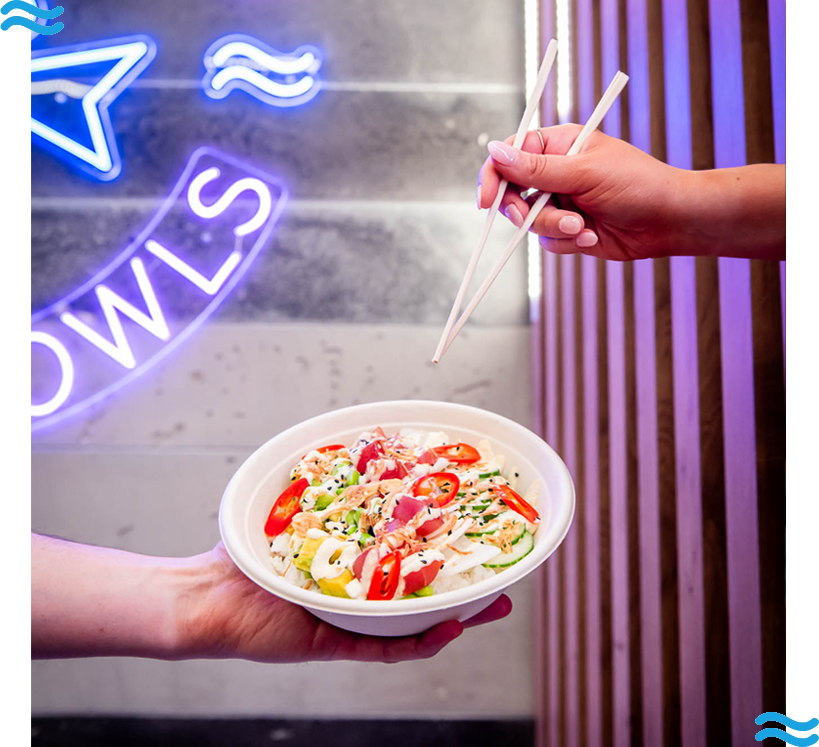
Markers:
(662, 385)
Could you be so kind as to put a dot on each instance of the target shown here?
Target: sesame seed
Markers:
(295, 555)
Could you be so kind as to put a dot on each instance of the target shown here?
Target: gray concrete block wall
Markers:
(344, 306)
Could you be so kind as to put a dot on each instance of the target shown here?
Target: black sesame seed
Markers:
(295, 555)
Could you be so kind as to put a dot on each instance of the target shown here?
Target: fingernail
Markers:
(570, 224)
(586, 240)
(502, 153)
(478, 195)
(514, 215)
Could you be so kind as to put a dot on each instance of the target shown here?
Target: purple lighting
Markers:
(66, 374)
(98, 332)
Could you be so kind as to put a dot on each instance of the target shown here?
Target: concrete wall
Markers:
(344, 306)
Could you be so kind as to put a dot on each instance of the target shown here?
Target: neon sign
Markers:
(247, 64)
(84, 135)
(158, 291)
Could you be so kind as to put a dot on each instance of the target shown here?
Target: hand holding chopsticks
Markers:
(452, 328)
(528, 114)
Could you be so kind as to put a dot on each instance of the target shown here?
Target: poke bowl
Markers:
(263, 539)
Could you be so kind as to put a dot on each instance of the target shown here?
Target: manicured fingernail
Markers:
(478, 195)
(586, 240)
(514, 215)
(570, 224)
(502, 153)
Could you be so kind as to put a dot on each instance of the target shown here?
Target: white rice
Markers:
(461, 580)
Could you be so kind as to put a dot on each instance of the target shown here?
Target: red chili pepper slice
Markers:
(516, 503)
(385, 579)
(332, 447)
(443, 486)
(285, 508)
(458, 453)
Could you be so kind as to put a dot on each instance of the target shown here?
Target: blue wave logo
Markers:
(244, 63)
(773, 733)
(28, 23)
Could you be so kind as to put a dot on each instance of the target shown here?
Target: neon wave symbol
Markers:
(116, 326)
(244, 63)
(36, 11)
(789, 723)
(130, 56)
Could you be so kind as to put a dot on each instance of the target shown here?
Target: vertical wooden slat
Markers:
(686, 406)
(580, 516)
(632, 499)
(769, 384)
(545, 605)
(597, 34)
(576, 377)
(643, 500)
(619, 530)
(541, 595)
(555, 701)
(714, 539)
(604, 508)
(622, 706)
(559, 558)
(603, 456)
(588, 86)
(592, 481)
(633, 513)
(740, 498)
(742, 553)
(569, 550)
(709, 365)
(689, 507)
(667, 469)
(776, 26)
(649, 506)
(666, 442)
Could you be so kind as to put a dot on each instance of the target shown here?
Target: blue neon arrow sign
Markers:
(87, 139)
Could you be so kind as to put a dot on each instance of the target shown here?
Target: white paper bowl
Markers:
(251, 492)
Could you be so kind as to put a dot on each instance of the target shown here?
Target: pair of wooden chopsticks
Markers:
(452, 327)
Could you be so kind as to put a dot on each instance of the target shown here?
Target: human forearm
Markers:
(738, 212)
(95, 601)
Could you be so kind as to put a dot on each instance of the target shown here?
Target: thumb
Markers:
(548, 173)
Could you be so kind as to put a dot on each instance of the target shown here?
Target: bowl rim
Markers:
(246, 560)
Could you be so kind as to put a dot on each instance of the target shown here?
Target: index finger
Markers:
(489, 179)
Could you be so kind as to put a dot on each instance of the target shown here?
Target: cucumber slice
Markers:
(489, 529)
(425, 592)
(495, 473)
(519, 551)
